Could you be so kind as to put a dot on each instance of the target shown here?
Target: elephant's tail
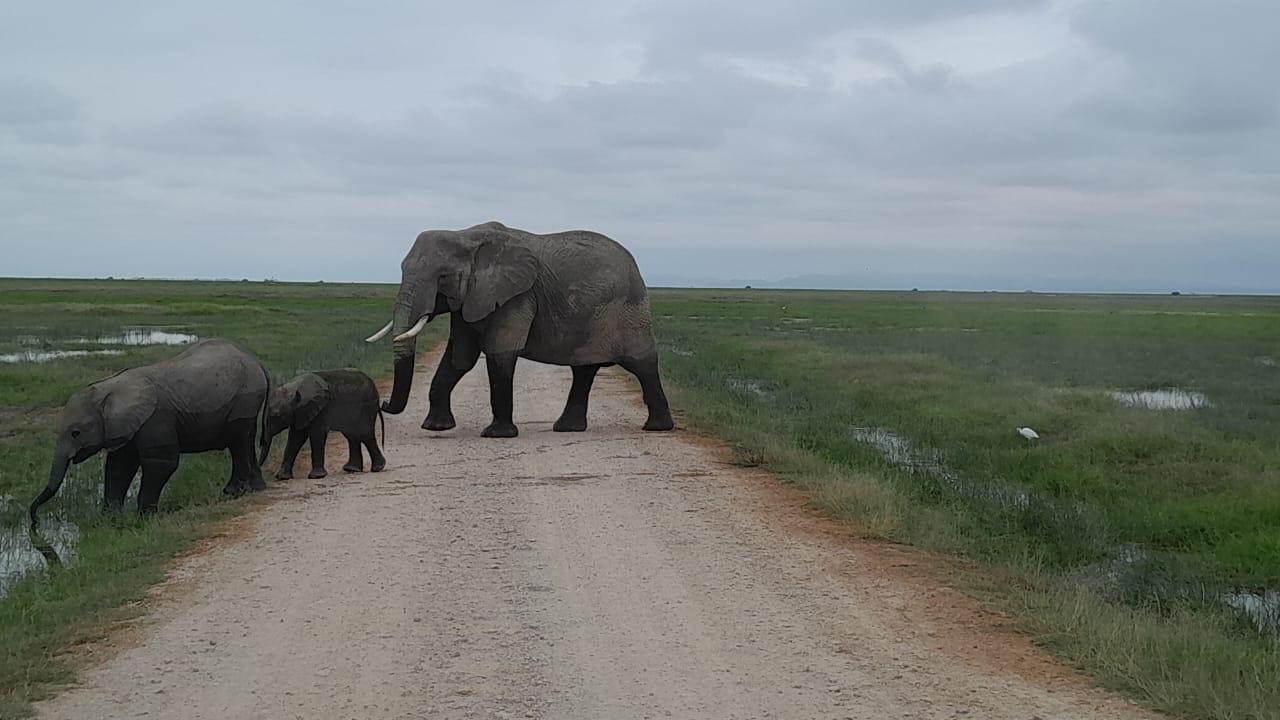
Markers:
(264, 442)
(383, 420)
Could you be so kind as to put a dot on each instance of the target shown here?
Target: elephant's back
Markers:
(593, 305)
(352, 384)
(213, 377)
(355, 400)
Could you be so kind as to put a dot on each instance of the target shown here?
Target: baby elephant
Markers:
(311, 405)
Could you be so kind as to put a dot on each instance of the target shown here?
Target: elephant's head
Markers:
(103, 416)
(471, 271)
(294, 404)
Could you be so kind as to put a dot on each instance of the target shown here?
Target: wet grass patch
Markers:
(103, 564)
(1130, 537)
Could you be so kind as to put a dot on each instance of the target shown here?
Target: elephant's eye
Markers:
(75, 433)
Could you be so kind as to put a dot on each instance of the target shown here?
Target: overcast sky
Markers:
(1109, 144)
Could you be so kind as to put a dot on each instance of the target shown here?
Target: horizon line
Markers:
(767, 285)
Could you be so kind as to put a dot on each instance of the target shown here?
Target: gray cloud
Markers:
(1126, 145)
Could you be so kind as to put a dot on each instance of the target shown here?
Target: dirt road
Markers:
(611, 574)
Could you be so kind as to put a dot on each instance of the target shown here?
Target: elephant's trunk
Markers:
(56, 475)
(409, 309)
(405, 356)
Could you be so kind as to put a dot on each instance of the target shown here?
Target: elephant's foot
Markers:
(378, 465)
(500, 430)
(283, 474)
(146, 510)
(438, 420)
(571, 423)
(316, 473)
(233, 489)
(353, 467)
(257, 484)
(659, 423)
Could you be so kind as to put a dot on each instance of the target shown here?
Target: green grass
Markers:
(1114, 536)
(1111, 539)
(288, 327)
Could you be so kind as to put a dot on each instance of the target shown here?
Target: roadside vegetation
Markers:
(1137, 538)
(109, 561)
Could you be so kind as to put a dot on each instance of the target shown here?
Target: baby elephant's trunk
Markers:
(266, 446)
(56, 475)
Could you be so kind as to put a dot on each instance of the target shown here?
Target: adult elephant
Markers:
(206, 398)
(571, 298)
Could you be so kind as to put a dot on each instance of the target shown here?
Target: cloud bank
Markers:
(1084, 144)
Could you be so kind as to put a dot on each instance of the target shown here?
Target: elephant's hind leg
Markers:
(355, 460)
(122, 465)
(574, 417)
(646, 371)
(502, 371)
(377, 462)
(245, 475)
(460, 355)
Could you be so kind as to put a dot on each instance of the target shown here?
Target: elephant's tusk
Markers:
(381, 333)
(417, 328)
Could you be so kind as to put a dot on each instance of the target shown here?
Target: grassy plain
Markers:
(1114, 538)
(289, 327)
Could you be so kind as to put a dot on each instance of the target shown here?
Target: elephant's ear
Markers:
(125, 407)
(500, 271)
(309, 398)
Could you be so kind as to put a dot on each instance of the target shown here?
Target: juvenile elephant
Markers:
(311, 405)
(571, 298)
(206, 398)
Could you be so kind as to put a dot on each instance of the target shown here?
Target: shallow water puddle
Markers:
(901, 452)
(749, 387)
(144, 336)
(1162, 399)
(1262, 608)
(43, 356)
(130, 336)
(895, 449)
(22, 552)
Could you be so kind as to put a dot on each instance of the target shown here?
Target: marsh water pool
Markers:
(24, 551)
(42, 349)
(1162, 399)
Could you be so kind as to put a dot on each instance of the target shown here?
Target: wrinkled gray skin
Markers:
(206, 398)
(311, 405)
(572, 298)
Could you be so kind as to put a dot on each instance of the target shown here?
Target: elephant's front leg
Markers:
(296, 439)
(502, 370)
(156, 471)
(318, 434)
(121, 466)
(459, 357)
